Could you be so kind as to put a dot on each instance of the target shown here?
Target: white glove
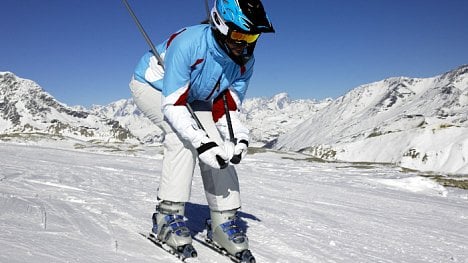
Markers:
(229, 147)
(240, 150)
(213, 155)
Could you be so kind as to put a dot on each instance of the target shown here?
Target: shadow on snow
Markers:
(197, 215)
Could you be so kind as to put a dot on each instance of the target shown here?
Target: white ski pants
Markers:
(221, 185)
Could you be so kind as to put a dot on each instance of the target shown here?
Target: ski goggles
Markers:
(238, 36)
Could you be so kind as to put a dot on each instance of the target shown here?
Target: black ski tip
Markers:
(188, 251)
(246, 257)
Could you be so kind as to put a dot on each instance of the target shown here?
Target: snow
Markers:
(415, 184)
(420, 124)
(65, 205)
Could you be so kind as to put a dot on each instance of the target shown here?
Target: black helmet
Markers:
(239, 22)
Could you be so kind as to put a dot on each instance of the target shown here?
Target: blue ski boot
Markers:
(224, 232)
(169, 226)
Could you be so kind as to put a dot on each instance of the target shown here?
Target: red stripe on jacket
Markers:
(200, 60)
(173, 36)
(182, 101)
(218, 110)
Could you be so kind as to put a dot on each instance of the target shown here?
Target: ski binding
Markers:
(182, 252)
(241, 257)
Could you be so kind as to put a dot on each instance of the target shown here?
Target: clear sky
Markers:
(83, 51)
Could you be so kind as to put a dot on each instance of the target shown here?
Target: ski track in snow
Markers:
(59, 205)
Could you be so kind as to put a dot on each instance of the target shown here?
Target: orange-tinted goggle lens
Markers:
(249, 38)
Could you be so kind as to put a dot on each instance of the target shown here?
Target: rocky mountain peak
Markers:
(26, 108)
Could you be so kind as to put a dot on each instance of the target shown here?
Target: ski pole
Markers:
(236, 158)
(207, 7)
(158, 57)
(145, 35)
(221, 162)
(199, 124)
(228, 120)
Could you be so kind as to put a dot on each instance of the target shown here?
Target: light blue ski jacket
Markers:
(194, 64)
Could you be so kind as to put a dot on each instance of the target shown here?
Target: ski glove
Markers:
(240, 150)
(229, 148)
(213, 155)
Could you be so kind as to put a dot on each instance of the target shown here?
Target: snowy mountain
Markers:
(267, 118)
(418, 123)
(27, 110)
(129, 116)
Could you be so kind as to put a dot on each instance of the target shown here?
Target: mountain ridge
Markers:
(397, 120)
(26, 108)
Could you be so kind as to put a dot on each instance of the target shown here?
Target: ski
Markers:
(183, 253)
(242, 257)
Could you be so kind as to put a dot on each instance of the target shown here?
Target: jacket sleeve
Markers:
(175, 91)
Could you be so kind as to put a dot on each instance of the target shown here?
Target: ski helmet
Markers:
(239, 22)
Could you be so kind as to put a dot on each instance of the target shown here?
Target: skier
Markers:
(206, 67)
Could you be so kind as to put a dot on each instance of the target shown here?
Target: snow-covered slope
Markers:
(419, 123)
(25, 108)
(66, 206)
(267, 118)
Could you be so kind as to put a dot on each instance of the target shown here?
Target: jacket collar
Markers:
(216, 51)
